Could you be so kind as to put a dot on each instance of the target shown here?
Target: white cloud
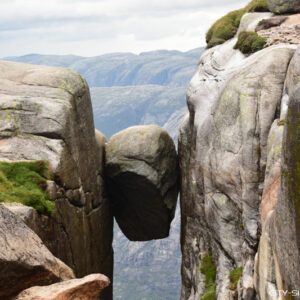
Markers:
(92, 27)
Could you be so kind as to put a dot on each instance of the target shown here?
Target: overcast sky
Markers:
(93, 27)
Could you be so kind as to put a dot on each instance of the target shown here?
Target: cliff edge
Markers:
(238, 155)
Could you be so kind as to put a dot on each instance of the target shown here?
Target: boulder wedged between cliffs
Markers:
(142, 179)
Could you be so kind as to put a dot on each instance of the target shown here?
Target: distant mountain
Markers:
(161, 67)
(116, 108)
(126, 90)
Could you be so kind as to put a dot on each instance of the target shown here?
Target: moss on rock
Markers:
(281, 122)
(208, 269)
(234, 277)
(25, 182)
(250, 42)
(226, 27)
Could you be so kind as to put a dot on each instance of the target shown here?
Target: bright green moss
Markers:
(257, 6)
(25, 182)
(234, 277)
(250, 42)
(208, 269)
(226, 27)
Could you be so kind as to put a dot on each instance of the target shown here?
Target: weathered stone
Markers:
(287, 212)
(273, 170)
(284, 6)
(46, 114)
(270, 22)
(47, 228)
(142, 176)
(87, 288)
(223, 156)
(250, 21)
(100, 140)
(287, 32)
(24, 260)
(264, 271)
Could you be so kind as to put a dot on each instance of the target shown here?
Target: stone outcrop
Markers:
(46, 114)
(24, 260)
(87, 288)
(47, 228)
(142, 176)
(287, 212)
(280, 29)
(278, 253)
(235, 207)
(270, 22)
(284, 6)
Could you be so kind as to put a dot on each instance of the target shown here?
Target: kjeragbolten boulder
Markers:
(142, 178)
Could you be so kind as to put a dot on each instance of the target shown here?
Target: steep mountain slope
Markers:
(155, 94)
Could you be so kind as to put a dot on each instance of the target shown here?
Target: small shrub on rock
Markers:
(250, 42)
(226, 27)
(208, 269)
(234, 277)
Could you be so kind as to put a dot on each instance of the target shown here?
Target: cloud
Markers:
(93, 27)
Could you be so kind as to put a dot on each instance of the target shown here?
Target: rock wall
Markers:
(142, 179)
(46, 114)
(234, 208)
(25, 262)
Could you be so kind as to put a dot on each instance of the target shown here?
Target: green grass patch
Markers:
(25, 182)
(234, 277)
(227, 27)
(250, 42)
(208, 269)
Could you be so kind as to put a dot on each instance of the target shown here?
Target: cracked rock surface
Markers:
(230, 158)
(46, 114)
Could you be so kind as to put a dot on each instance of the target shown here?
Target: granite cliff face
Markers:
(239, 162)
(46, 115)
(239, 185)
